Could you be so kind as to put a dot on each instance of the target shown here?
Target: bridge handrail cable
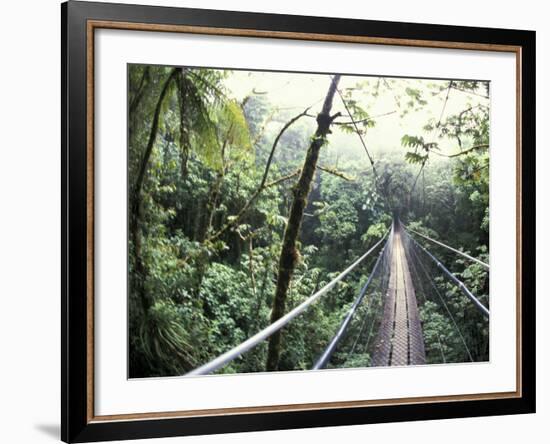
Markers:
(461, 253)
(453, 278)
(434, 286)
(325, 357)
(251, 342)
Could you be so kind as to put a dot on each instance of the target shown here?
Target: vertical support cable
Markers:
(325, 357)
(481, 308)
(434, 286)
(382, 287)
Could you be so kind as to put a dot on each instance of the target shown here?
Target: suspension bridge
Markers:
(386, 311)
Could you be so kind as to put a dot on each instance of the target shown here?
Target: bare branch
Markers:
(261, 131)
(336, 173)
(282, 179)
(144, 81)
(276, 141)
(367, 120)
(461, 153)
(263, 184)
(470, 92)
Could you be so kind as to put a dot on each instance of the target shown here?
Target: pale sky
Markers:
(292, 93)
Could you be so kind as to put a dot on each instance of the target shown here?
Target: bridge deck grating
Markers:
(399, 340)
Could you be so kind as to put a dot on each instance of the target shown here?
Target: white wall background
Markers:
(30, 221)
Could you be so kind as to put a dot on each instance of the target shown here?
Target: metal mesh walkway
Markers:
(399, 340)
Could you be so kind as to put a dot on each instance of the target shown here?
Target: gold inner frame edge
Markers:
(92, 25)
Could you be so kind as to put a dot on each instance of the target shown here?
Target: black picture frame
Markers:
(76, 423)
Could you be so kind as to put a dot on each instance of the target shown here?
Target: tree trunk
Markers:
(211, 206)
(184, 135)
(152, 137)
(144, 81)
(289, 254)
(139, 268)
(215, 190)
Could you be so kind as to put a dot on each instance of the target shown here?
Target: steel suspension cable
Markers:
(325, 357)
(446, 308)
(484, 310)
(382, 287)
(360, 334)
(441, 349)
(369, 155)
(362, 330)
(412, 264)
(412, 258)
(461, 253)
(238, 350)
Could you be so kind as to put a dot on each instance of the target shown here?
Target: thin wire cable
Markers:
(382, 289)
(371, 159)
(461, 253)
(235, 352)
(441, 349)
(369, 155)
(415, 270)
(484, 310)
(434, 286)
(435, 135)
(325, 357)
(361, 330)
(445, 305)
(412, 262)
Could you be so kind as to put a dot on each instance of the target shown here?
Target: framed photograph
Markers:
(275, 221)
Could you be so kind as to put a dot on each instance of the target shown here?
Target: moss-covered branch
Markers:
(289, 254)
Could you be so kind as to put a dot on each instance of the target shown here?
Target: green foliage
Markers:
(338, 221)
(421, 151)
(234, 129)
(166, 339)
(194, 294)
(375, 232)
(415, 97)
(415, 157)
